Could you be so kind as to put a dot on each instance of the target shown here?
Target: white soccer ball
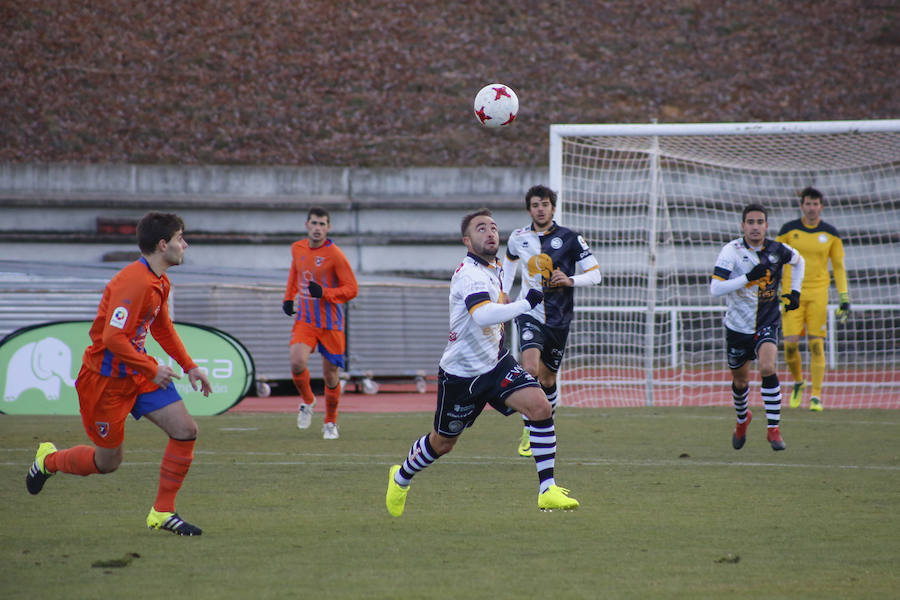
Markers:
(496, 105)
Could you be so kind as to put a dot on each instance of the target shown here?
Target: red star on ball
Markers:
(481, 116)
(500, 92)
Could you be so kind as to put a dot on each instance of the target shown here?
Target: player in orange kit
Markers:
(321, 275)
(117, 376)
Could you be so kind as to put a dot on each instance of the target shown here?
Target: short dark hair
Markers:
(319, 212)
(481, 212)
(541, 191)
(811, 192)
(155, 226)
(754, 207)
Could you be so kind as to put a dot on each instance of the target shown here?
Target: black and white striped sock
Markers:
(740, 402)
(771, 395)
(543, 447)
(421, 456)
(552, 394)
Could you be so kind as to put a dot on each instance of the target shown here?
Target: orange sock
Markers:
(78, 460)
(332, 397)
(303, 386)
(175, 464)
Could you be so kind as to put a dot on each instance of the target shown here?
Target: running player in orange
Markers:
(117, 376)
(321, 275)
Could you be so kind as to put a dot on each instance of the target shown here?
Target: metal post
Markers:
(651, 271)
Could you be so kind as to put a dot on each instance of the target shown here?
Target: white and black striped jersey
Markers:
(755, 304)
(471, 349)
(536, 255)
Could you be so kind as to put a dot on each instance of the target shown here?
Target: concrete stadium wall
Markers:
(386, 220)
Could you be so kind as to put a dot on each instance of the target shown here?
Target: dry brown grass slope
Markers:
(390, 83)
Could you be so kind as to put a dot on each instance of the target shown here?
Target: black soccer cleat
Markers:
(170, 521)
(37, 475)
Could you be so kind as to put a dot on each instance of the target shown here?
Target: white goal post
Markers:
(656, 202)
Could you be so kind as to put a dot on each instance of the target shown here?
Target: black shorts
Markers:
(742, 347)
(551, 341)
(461, 399)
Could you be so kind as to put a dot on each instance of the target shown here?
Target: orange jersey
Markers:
(327, 266)
(134, 302)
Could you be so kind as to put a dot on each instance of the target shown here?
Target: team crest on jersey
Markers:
(102, 428)
(320, 260)
(823, 239)
(556, 243)
(119, 316)
(453, 336)
(773, 258)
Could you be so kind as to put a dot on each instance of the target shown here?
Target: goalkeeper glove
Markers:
(791, 301)
(757, 272)
(315, 290)
(843, 311)
(288, 307)
(534, 297)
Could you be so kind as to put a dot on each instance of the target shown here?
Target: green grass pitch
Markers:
(668, 510)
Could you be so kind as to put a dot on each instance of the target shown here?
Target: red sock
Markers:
(175, 464)
(78, 460)
(303, 386)
(332, 397)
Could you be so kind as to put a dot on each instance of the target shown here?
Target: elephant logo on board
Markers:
(44, 365)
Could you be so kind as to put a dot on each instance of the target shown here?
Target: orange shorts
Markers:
(330, 343)
(106, 401)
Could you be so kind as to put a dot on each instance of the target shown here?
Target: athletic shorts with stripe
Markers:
(106, 401)
(742, 347)
(551, 341)
(331, 343)
(461, 399)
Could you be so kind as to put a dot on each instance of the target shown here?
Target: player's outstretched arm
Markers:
(491, 313)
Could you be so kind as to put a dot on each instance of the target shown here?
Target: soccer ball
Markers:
(496, 105)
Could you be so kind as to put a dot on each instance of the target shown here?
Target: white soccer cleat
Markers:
(330, 431)
(304, 415)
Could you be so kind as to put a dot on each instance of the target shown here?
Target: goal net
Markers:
(657, 203)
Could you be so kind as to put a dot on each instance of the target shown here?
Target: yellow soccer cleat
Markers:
(797, 394)
(556, 498)
(396, 494)
(37, 474)
(525, 443)
(170, 521)
(816, 405)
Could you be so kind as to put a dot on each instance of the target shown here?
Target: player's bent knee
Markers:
(106, 462)
(817, 347)
(188, 431)
(538, 411)
(441, 444)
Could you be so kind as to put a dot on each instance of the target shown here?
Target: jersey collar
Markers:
(481, 261)
(762, 246)
(553, 227)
